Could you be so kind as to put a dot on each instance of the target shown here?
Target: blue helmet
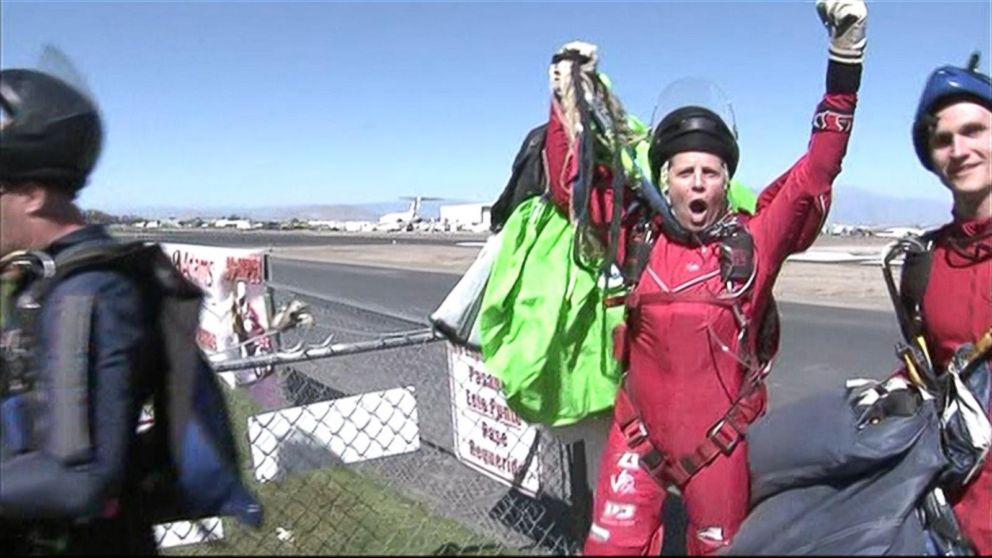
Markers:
(947, 83)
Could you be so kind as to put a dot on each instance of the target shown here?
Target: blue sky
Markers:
(213, 104)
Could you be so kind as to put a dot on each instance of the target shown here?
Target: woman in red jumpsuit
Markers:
(692, 332)
(953, 139)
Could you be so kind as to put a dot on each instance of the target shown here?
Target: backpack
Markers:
(188, 458)
(526, 178)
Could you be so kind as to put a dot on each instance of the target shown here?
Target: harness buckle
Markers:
(722, 438)
(635, 432)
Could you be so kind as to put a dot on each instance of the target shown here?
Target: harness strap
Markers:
(636, 299)
(70, 406)
(721, 438)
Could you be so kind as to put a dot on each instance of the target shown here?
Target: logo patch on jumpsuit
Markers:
(622, 483)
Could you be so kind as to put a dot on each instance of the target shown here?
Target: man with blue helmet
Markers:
(952, 134)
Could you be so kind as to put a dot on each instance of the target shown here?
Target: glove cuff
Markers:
(843, 77)
(847, 55)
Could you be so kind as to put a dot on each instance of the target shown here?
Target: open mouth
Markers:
(698, 208)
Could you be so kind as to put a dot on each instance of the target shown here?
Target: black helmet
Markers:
(692, 128)
(51, 131)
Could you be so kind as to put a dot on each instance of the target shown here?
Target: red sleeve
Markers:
(791, 210)
(561, 168)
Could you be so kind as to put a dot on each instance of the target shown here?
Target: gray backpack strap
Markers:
(70, 436)
(69, 439)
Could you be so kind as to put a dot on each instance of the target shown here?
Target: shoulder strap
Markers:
(94, 254)
(913, 280)
(737, 254)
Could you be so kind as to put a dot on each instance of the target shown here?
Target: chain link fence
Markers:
(359, 454)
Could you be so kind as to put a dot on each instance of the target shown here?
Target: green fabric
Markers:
(545, 331)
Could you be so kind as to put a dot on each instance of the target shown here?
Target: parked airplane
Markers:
(404, 220)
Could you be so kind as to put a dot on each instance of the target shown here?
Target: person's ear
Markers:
(35, 198)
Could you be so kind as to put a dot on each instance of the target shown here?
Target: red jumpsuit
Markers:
(957, 309)
(679, 378)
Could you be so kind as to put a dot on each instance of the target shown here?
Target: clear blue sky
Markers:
(261, 103)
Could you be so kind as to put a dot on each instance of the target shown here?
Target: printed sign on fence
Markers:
(234, 316)
(489, 436)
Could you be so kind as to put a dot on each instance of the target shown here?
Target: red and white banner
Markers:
(235, 316)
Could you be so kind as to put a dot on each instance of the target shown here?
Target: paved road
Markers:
(821, 346)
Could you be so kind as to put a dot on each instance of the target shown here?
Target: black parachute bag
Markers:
(862, 471)
(830, 477)
(188, 459)
(526, 177)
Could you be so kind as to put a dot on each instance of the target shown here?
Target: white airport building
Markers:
(466, 216)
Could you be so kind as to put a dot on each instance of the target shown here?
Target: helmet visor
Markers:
(54, 62)
(692, 91)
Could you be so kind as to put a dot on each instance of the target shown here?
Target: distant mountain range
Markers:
(851, 206)
(856, 206)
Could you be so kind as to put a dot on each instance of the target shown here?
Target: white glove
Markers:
(847, 21)
(561, 80)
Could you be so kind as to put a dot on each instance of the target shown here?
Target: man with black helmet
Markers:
(952, 134)
(701, 325)
(72, 378)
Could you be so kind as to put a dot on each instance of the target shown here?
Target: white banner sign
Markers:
(489, 437)
(234, 313)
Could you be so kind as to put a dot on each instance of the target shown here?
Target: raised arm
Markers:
(791, 211)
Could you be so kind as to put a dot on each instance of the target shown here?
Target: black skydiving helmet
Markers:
(695, 115)
(51, 131)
